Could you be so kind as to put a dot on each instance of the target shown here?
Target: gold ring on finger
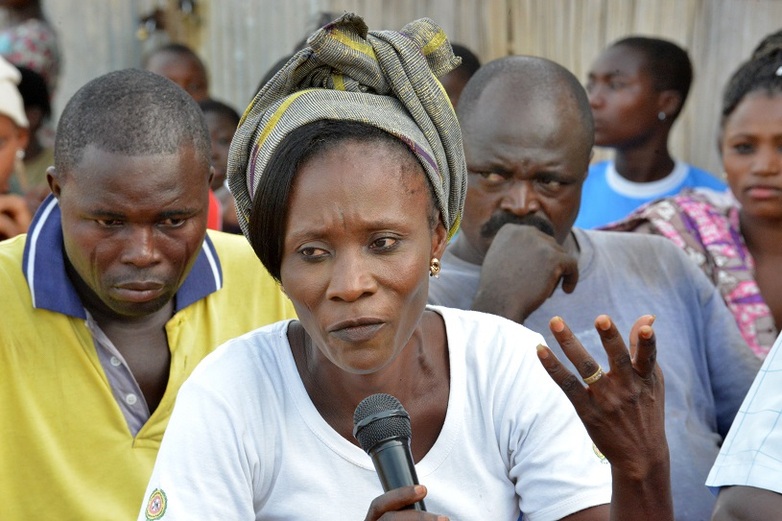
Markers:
(597, 375)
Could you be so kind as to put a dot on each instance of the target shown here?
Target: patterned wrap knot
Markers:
(387, 79)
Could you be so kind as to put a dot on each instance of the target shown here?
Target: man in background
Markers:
(528, 134)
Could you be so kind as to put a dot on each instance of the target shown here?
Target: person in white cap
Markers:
(14, 214)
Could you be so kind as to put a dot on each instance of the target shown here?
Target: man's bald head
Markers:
(527, 132)
(533, 84)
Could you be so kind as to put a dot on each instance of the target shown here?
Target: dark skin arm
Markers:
(624, 414)
(521, 270)
(742, 503)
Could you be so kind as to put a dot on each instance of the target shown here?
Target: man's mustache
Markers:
(498, 220)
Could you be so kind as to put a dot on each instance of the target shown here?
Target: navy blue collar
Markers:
(50, 287)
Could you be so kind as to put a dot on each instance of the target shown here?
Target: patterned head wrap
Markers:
(33, 44)
(386, 79)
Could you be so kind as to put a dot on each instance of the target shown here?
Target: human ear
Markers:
(439, 239)
(54, 181)
(670, 103)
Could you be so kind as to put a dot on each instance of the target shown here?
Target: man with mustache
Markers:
(528, 135)
(112, 299)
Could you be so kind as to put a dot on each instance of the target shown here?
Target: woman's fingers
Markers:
(643, 346)
(569, 383)
(587, 367)
(621, 406)
(390, 505)
(623, 365)
(619, 361)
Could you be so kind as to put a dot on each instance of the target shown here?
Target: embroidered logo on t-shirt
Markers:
(156, 506)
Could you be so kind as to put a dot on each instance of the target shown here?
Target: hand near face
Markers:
(623, 410)
(387, 506)
(521, 270)
(15, 216)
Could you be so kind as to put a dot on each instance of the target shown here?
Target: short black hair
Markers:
(769, 44)
(762, 74)
(34, 91)
(130, 112)
(218, 107)
(470, 62)
(269, 212)
(669, 65)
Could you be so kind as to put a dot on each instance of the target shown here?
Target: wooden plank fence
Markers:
(240, 39)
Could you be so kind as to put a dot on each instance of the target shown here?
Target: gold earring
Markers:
(434, 268)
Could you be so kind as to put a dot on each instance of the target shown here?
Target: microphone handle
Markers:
(394, 465)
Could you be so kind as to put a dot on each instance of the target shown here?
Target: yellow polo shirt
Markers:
(66, 452)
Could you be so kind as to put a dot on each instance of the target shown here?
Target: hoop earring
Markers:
(434, 268)
(661, 116)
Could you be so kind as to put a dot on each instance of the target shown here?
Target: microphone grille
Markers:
(380, 417)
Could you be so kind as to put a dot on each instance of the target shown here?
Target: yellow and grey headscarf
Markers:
(386, 79)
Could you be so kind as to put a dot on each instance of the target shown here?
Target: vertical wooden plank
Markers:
(592, 38)
(495, 30)
(619, 16)
(724, 34)
(94, 45)
(240, 39)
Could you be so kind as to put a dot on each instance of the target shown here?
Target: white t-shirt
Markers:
(246, 442)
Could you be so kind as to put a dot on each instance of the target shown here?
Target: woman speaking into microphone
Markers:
(349, 179)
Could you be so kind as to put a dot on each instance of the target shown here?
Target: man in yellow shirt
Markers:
(112, 298)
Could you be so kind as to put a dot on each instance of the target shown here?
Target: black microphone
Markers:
(382, 427)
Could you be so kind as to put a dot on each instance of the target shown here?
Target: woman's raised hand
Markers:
(623, 410)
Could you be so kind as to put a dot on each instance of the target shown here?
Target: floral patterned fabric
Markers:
(33, 44)
(705, 224)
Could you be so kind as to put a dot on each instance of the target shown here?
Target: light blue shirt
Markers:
(607, 196)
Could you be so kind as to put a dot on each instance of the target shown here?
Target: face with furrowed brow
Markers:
(526, 160)
(358, 243)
